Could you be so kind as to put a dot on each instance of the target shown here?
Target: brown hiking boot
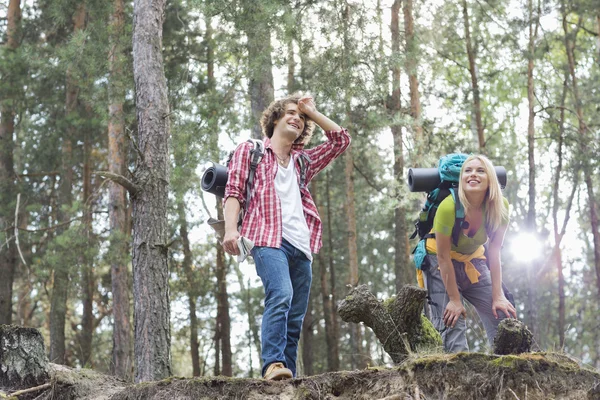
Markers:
(277, 372)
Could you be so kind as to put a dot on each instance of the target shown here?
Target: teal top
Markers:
(444, 223)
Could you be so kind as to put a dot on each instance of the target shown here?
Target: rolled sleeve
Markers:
(322, 155)
(238, 173)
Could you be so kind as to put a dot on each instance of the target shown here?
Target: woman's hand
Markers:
(454, 310)
(502, 304)
(306, 105)
(230, 242)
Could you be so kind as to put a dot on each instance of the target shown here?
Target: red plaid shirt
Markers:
(262, 220)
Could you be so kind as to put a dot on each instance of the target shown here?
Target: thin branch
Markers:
(17, 229)
(373, 185)
(36, 174)
(131, 187)
(591, 32)
(30, 390)
(43, 229)
(135, 145)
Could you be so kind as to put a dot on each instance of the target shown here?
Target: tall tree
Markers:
(474, 79)
(150, 267)
(257, 27)
(355, 336)
(223, 322)
(534, 23)
(122, 353)
(8, 256)
(58, 308)
(413, 79)
(401, 258)
(533, 17)
(570, 38)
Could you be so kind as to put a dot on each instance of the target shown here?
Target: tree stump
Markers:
(397, 322)
(513, 337)
(23, 361)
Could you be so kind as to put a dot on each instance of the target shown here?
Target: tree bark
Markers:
(150, 235)
(223, 318)
(260, 64)
(333, 353)
(598, 37)
(8, 256)
(401, 251)
(397, 322)
(413, 80)
(87, 282)
(474, 80)
(117, 211)
(584, 139)
(533, 31)
(58, 307)
(357, 359)
(308, 359)
(557, 236)
(223, 321)
(192, 284)
(531, 223)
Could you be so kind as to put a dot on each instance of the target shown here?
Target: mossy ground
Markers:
(462, 376)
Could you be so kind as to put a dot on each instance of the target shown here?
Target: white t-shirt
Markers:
(294, 227)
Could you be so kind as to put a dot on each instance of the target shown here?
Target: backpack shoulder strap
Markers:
(303, 163)
(459, 213)
(256, 155)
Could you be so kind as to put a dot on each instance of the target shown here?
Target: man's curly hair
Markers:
(276, 110)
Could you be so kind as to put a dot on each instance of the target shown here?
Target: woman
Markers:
(463, 271)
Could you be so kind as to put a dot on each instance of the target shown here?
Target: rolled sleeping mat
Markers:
(427, 179)
(214, 180)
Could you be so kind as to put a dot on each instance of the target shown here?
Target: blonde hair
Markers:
(495, 210)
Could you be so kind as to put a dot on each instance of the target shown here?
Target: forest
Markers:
(111, 110)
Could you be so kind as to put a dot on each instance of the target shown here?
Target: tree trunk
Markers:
(291, 66)
(87, 282)
(8, 256)
(117, 211)
(413, 80)
(557, 236)
(253, 336)
(531, 120)
(260, 63)
(223, 318)
(531, 223)
(308, 359)
(397, 323)
(401, 258)
(192, 285)
(474, 80)
(325, 290)
(357, 359)
(598, 37)
(584, 139)
(150, 234)
(58, 307)
(333, 353)
(223, 321)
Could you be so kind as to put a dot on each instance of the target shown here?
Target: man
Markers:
(282, 220)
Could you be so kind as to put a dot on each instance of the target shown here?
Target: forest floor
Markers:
(463, 376)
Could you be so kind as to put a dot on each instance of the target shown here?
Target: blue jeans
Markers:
(286, 276)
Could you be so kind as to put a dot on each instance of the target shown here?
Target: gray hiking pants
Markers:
(478, 294)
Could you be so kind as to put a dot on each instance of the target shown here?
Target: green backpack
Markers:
(449, 167)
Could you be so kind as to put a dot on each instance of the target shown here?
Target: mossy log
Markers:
(23, 360)
(512, 337)
(398, 322)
